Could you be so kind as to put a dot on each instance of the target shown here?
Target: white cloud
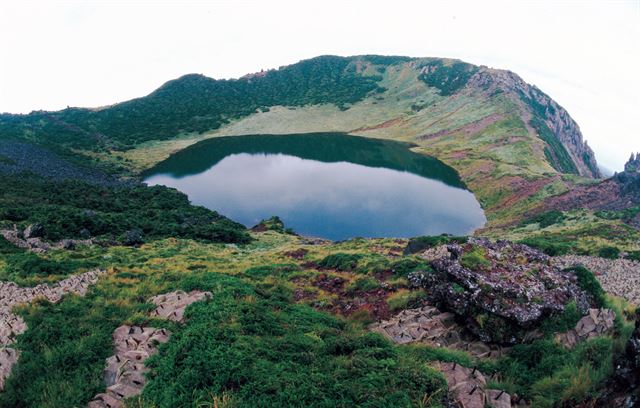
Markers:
(585, 54)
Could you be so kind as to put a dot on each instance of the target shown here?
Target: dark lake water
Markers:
(324, 184)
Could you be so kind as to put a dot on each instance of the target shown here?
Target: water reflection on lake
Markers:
(332, 199)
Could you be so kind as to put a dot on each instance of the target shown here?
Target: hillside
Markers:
(511, 143)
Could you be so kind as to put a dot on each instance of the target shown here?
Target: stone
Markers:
(34, 231)
(505, 294)
(12, 295)
(133, 345)
(428, 325)
(597, 322)
(467, 387)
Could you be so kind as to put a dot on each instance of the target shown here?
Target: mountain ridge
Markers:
(511, 143)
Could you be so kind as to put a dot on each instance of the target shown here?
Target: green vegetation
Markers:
(475, 258)
(404, 299)
(550, 245)
(551, 375)
(546, 219)
(588, 282)
(340, 261)
(447, 77)
(555, 151)
(75, 209)
(626, 214)
(163, 115)
(419, 244)
(273, 224)
(407, 265)
(563, 322)
(609, 252)
(364, 284)
(22, 267)
(254, 346)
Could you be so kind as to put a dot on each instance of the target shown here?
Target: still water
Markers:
(327, 185)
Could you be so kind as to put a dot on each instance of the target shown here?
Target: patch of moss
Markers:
(475, 259)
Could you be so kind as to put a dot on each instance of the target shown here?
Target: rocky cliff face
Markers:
(549, 120)
(633, 165)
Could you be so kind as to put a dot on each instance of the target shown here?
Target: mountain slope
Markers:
(510, 142)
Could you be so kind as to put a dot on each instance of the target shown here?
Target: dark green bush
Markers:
(419, 244)
(549, 245)
(546, 219)
(562, 322)
(340, 261)
(609, 252)
(72, 209)
(588, 282)
(633, 255)
(447, 78)
(405, 266)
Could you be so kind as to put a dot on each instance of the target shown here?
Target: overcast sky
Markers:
(584, 54)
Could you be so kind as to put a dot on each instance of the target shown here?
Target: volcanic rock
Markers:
(501, 290)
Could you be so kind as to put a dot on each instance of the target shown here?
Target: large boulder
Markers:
(499, 290)
(34, 231)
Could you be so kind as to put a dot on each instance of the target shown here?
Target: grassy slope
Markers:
(262, 298)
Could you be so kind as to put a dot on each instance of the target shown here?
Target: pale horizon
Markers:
(584, 54)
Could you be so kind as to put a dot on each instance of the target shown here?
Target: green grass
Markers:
(588, 282)
(475, 259)
(340, 261)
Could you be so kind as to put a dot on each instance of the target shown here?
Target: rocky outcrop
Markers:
(30, 239)
(540, 105)
(428, 325)
(11, 325)
(468, 388)
(500, 290)
(124, 374)
(598, 322)
(633, 165)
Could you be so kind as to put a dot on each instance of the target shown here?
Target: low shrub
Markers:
(264, 352)
(562, 322)
(363, 284)
(609, 252)
(588, 282)
(546, 219)
(405, 266)
(549, 246)
(340, 261)
(419, 244)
